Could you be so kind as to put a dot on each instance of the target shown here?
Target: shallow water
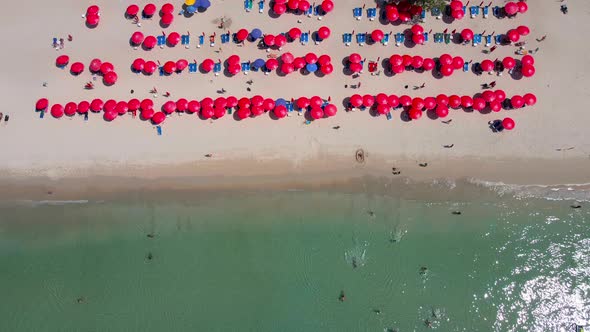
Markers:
(278, 261)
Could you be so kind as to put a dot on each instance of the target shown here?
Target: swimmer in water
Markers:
(150, 256)
(456, 213)
(341, 297)
(354, 264)
(423, 270)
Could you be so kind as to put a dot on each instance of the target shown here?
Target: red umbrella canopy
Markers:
(158, 118)
(407, 60)
(207, 65)
(287, 68)
(244, 113)
(257, 110)
(311, 58)
(147, 114)
(208, 102)
(458, 62)
(132, 10)
(528, 60)
(356, 100)
(41, 104)
(110, 78)
(287, 57)
(193, 106)
(280, 111)
(70, 109)
(442, 99)
(150, 42)
(138, 64)
(454, 101)
(167, 19)
(207, 112)
(149, 9)
(77, 67)
(479, 104)
(405, 100)
(92, 19)
(83, 107)
(304, 5)
(257, 100)
(150, 67)
(522, 7)
(456, 5)
(169, 107)
(280, 41)
(446, 59)
(242, 34)
(279, 8)
(181, 64)
(173, 39)
(122, 107)
(231, 101)
(457, 14)
(57, 111)
(442, 111)
(417, 29)
(167, 8)
(316, 101)
(381, 99)
(415, 114)
(330, 110)
(487, 65)
(393, 101)
(110, 105)
(377, 35)
(294, 33)
(355, 58)
(417, 61)
(272, 64)
(418, 39)
(233, 59)
(528, 70)
(523, 30)
(269, 104)
(137, 38)
(219, 112)
(95, 65)
(489, 96)
(428, 64)
(133, 104)
(327, 69)
(96, 105)
(530, 99)
(496, 106)
(324, 32)
(500, 95)
(508, 123)
(269, 40)
(511, 8)
(62, 60)
(298, 63)
(513, 35)
(467, 34)
(316, 113)
(106, 67)
(447, 70)
(169, 67)
(383, 109)
(466, 101)
(391, 14)
(303, 102)
(429, 103)
(146, 104)
(368, 100)
(244, 102)
(220, 102)
(92, 10)
(517, 101)
(509, 62)
(355, 67)
(418, 103)
(181, 105)
(396, 60)
(327, 6)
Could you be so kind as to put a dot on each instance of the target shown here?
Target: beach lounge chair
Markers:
(371, 14)
(399, 38)
(438, 37)
(304, 38)
(425, 37)
(246, 67)
(423, 14)
(85, 116)
(356, 12)
(161, 71)
(201, 41)
(42, 114)
(217, 68)
(466, 67)
(361, 38)
(476, 39)
(496, 11)
(385, 39)
(447, 38)
(436, 13)
(474, 11)
(248, 5)
(260, 6)
(317, 12)
(192, 67)
(289, 106)
(309, 12)
(159, 130)
(498, 39)
(488, 40)
(161, 41)
(388, 115)
(486, 11)
(225, 38)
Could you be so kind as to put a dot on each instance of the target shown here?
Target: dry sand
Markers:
(259, 146)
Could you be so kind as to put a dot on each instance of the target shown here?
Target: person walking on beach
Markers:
(493, 48)
(6, 117)
(541, 39)
(70, 38)
(493, 84)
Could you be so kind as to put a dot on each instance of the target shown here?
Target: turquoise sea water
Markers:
(278, 261)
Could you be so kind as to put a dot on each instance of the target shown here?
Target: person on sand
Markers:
(423, 164)
(208, 155)
(1, 116)
(541, 39)
(61, 43)
(167, 94)
(493, 84)
(70, 38)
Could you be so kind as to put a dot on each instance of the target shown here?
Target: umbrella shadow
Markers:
(516, 75)
(163, 25)
(431, 114)
(404, 116)
(91, 26)
(373, 112)
(271, 13)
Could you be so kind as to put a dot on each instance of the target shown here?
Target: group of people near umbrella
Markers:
(207, 108)
(281, 7)
(96, 66)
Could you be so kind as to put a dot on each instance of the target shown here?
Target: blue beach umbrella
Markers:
(191, 9)
(258, 63)
(255, 34)
(280, 101)
(311, 67)
(205, 4)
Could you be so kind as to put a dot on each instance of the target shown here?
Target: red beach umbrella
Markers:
(70, 109)
(383, 109)
(158, 118)
(324, 32)
(169, 67)
(377, 35)
(233, 59)
(207, 112)
(442, 99)
(96, 105)
(528, 60)
(150, 42)
(193, 106)
(257, 100)
(487, 65)
(511, 8)
(92, 10)
(110, 105)
(243, 113)
(415, 114)
(149, 9)
(522, 7)
(242, 34)
(324, 59)
(429, 103)
(294, 33)
(231, 101)
(303, 102)
(454, 101)
(508, 124)
(83, 107)
(417, 29)
(92, 19)
(287, 68)
(110, 78)
(392, 14)
(355, 67)
(428, 64)
(280, 111)
(304, 5)
(137, 38)
(106, 67)
(272, 64)
(147, 114)
(530, 99)
(280, 41)
(269, 40)
(208, 102)
(466, 101)
(316, 113)
(207, 65)
(458, 62)
(393, 101)
(457, 14)
(517, 101)
(467, 34)
(500, 95)
(330, 110)
(298, 63)
(146, 104)
(479, 104)
(356, 100)
(95, 65)
(418, 103)
(368, 100)
(355, 58)
(418, 39)
(279, 8)
(311, 58)
(509, 62)
(269, 104)
(528, 70)
(138, 64)
(173, 39)
(316, 101)
(257, 110)
(57, 111)
(381, 99)
(442, 111)
(405, 100)
(489, 96)
(219, 112)
(133, 104)
(513, 35)
(495, 106)
(181, 105)
(62, 60)
(446, 59)
(122, 107)
(244, 102)
(523, 30)
(167, 8)
(407, 60)
(110, 116)
(132, 10)
(169, 107)
(417, 61)
(447, 70)
(293, 4)
(456, 5)
(395, 60)
(327, 6)
(167, 19)
(327, 69)
(220, 102)
(150, 67)
(41, 104)
(77, 68)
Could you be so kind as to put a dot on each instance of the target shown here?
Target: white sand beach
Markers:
(537, 150)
